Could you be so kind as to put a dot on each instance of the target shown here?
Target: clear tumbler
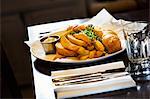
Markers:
(138, 48)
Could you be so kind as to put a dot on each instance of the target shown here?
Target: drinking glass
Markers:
(138, 48)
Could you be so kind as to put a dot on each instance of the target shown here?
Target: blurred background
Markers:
(17, 15)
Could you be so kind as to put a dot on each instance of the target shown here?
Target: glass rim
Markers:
(127, 27)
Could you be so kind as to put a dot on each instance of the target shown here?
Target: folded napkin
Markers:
(87, 80)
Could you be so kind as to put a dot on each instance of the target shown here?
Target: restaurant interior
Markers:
(16, 15)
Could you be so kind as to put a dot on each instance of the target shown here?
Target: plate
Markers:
(38, 51)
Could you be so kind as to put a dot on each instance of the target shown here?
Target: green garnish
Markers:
(89, 32)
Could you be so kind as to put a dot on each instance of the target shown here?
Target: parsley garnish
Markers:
(89, 32)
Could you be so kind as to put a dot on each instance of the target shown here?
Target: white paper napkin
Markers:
(101, 18)
(73, 90)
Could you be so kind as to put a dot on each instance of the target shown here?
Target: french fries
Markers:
(72, 39)
(98, 45)
(82, 51)
(58, 56)
(99, 53)
(90, 47)
(82, 36)
(62, 51)
(92, 54)
(67, 44)
(84, 57)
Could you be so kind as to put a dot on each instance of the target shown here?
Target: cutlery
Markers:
(43, 34)
(90, 79)
(73, 77)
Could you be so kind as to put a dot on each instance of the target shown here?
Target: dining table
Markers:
(41, 69)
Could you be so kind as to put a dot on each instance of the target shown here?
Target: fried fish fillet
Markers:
(111, 42)
(107, 32)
